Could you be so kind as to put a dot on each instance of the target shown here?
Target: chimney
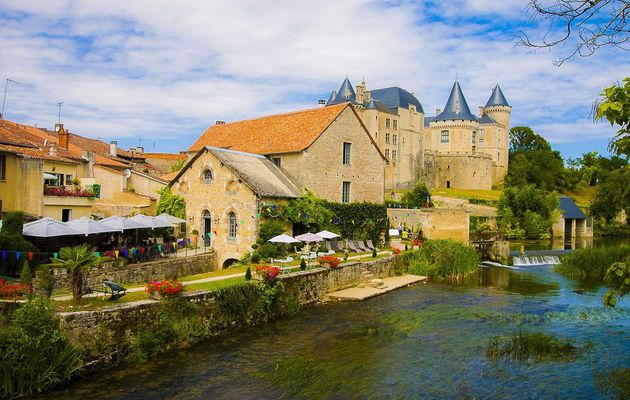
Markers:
(219, 122)
(437, 112)
(112, 148)
(52, 149)
(64, 136)
(481, 110)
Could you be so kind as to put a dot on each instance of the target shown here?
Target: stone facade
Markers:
(128, 274)
(458, 170)
(435, 223)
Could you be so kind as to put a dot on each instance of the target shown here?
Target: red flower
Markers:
(395, 250)
(332, 260)
(166, 288)
(13, 290)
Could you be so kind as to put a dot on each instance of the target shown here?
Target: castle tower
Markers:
(500, 110)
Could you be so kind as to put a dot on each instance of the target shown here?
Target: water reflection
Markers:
(517, 281)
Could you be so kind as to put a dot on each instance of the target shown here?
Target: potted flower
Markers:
(269, 274)
(395, 250)
(43, 282)
(164, 289)
(329, 261)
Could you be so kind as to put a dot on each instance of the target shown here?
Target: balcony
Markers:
(67, 191)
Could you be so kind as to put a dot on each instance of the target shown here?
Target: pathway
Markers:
(362, 293)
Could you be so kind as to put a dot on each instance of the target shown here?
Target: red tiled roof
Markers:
(274, 134)
(165, 156)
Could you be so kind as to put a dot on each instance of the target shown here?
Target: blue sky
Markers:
(158, 74)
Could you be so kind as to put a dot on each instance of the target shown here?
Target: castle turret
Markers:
(498, 108)
(346, 93)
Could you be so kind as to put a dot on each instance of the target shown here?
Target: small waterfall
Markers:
(535, 260)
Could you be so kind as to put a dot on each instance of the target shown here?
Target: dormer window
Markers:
(207, 176)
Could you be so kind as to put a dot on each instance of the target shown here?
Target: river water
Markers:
(426, 341)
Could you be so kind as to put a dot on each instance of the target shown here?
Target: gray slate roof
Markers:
(497, 98)
(377, 105)
(344, 94)
(427, 120)
(394, 97)
(486, 119)
(570, 210)
(332, 96)
(456, 107)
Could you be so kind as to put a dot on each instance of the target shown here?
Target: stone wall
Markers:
(458, 170)
(435, 223)
(127, 274)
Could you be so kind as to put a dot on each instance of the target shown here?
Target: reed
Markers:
(592, 263)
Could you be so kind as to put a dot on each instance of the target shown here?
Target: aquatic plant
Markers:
(591, 264)
(34, 354)
(443, 258)
(615, 383)
(534, 347)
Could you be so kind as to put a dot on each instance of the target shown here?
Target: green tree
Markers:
(523, 138)
(177, 166)
(11, 238)
(76, 260)
(171, 203)
(612, 196)
(528, 208)
(615, 107)
(416, 196)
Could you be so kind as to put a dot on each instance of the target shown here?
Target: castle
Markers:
(453, 149)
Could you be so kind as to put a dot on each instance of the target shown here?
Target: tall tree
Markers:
(582, 26)
(615, 107)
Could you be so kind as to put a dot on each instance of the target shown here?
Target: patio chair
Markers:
(115, 290)
(369, 245)
(285, 261)
(312, 256)
(352, 247)
(361, 246)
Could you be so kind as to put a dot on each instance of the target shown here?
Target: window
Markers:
(394, 139)
(394, 155)
(499, 142)
(474, 137)
(387, 138)
(3, 168)
(444, 137)
(395, 124)
(207, 176)
(66, 214)
(498, 157)
(480, 142)
(52, 179)
(387, 153)
(345, 192)
(277, 161)
(388, 123)
(232, 225)
(474, 149)
(69, 179)
(346, 153)
(376, 134)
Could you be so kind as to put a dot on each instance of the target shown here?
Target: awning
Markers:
(50, 176)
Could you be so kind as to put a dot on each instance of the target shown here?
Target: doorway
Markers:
(206, 228)
(66, 214)
(448, 184)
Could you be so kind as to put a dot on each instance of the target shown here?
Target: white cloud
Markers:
(157, 69)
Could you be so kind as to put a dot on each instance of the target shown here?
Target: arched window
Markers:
(207, 175)
(232, 225)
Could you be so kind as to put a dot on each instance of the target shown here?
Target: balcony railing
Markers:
(67, 191)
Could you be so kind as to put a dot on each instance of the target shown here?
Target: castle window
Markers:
(376, 134)
(394, 155)
(232, 225)
(499, 142)
(444, 137)
(498, 157)
(345, 192)
(387, 153)
(474, 136)
(474, 149)
(207, 176)
(394, 139)
(277, 161)
(388, 122)
(395, 124)
(346, 153)
(387, 138)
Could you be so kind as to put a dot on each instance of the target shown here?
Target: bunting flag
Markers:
(160, 248)
(242, 222)
(55, 255)
(189, 241)
(215, 233)
(116, 252)
(30, 256)
(126, 253)
(17, 255)
(4, 254)
(209, 234)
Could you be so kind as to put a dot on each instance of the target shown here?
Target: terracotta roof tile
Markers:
(274, 134)
(33, 152)
(166, 156)
(170, 176)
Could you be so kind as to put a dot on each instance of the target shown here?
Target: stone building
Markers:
(224, 190)
(455, 148)
(572, 222)
(327, 150)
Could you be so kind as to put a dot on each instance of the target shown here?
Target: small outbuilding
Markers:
(572, 223)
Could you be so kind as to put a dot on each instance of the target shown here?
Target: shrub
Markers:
(255, 258)
(529, 209)
(444, 258)
(302, 264)
(269, 250)
(406, 247)
(34, 355)
(268, 229)
(26, 276)
(374, 254)
(44, 278)
(11, 239)
(248, 274)
(416, 197)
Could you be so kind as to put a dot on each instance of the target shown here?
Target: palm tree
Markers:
(76, 260)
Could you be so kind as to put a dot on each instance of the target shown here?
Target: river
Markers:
(426, 341)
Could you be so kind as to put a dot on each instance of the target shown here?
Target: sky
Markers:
(158, 73)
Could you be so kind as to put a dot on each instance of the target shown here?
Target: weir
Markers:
(535, 260)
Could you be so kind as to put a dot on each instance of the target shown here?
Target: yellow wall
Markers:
(435, 223)
(8, 186)
(145, 185)
(111, 181)
(22, 189)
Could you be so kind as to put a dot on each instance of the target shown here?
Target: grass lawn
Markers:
(583, 197)
(222, 272)
(214, 285)
(489, 195)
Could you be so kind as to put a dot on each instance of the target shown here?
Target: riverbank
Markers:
(137, 331)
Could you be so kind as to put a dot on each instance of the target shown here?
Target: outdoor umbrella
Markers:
(150, 222)
(394, 232)
(48, 227)
(309, 237)
(327, 235)
(120, 223)
(170, 219)
(284, 238)
(89, 226)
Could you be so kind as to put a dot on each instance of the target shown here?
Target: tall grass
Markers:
(532, 347)
(591, 264)
(443, 258)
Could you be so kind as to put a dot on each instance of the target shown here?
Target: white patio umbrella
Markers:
(89, 226)
(170, 219)
(394, 232)
(327, 235)
(284, 238)
(48, 227)
(120, 223)
(309, 237)
(150, 222)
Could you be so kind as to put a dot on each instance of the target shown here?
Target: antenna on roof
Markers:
(153, 148)
(4, 99)
(59, 116)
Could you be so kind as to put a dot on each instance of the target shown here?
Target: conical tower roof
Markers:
(345, 93)
(497, 98)
(456, 107)
(331, 98)
(371, 105)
